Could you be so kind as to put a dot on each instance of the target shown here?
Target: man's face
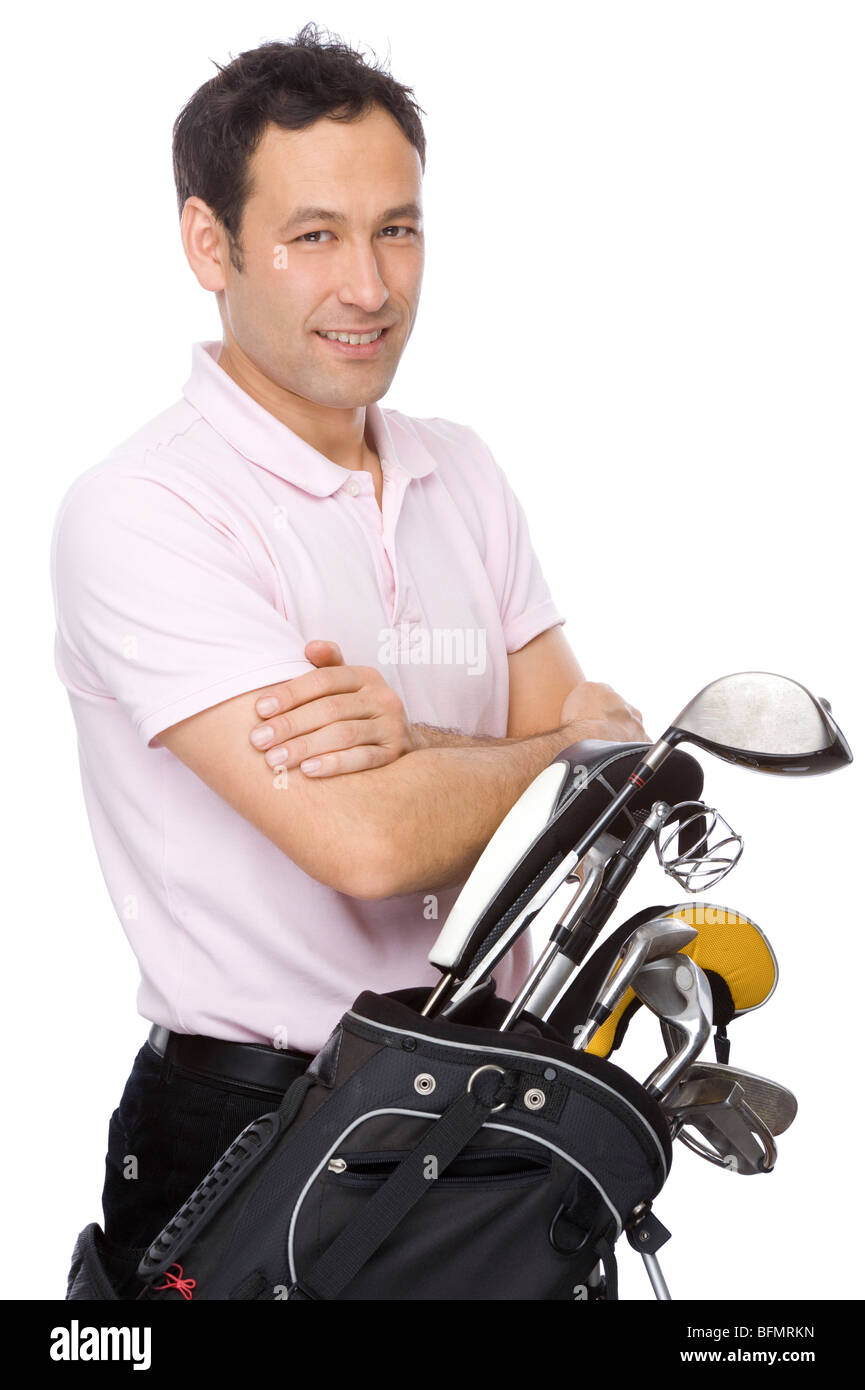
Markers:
(310, 274)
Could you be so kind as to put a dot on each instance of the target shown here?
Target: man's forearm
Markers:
(434, 810)
(431, 736)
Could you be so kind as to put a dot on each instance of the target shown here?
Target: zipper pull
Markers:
(337, 1165)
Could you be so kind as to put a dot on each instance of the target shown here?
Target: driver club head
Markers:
(765, 721)
(678, 993)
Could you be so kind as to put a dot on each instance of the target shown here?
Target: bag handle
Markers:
(360, 1239)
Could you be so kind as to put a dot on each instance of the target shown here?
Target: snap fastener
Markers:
(424, 1083)
(534, 1100)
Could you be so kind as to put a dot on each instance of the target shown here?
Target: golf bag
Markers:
(420, 1159)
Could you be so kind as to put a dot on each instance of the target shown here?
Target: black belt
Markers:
(248, 1064)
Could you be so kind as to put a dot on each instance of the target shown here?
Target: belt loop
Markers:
(166, 1074)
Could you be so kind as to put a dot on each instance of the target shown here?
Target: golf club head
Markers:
(736, 1138)
(652, 941)
(774, 1104)
(663, 936)
(764, 721)
(677, 992)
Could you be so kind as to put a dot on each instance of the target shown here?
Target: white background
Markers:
(644, 288)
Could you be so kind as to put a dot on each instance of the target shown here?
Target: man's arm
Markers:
(541, 675)
(432, 736)
(416, 824)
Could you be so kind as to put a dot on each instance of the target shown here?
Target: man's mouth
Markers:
(355, 339)
(362, 347)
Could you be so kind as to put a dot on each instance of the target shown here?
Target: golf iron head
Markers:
(677, 992)
(663, 936)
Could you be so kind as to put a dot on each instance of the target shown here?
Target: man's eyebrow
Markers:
(316, 214)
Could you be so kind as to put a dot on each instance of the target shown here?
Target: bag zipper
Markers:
(366, 1168)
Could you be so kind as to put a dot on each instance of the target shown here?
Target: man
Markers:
(275, 535)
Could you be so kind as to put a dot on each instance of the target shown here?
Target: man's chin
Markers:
(349, 395)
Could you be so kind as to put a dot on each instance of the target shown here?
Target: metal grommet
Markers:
(534, 1099)
(488, 1067)
(424, 1083)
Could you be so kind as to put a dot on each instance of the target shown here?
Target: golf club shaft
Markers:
(576, 943)
(656, 755)
(591, 881)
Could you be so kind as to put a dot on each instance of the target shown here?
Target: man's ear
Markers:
(203, 244)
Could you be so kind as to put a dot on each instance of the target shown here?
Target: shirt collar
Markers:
(264, 440)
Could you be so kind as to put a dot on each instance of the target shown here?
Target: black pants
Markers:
(167, 1132)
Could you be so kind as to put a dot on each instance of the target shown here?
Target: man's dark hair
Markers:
(291, 85)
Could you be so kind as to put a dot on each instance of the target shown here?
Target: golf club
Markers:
(678, 993)
(774, 1104)
(589, 872)
(571, 940)
(650, 942)
(737, 1139)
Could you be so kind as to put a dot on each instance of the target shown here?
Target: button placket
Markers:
(369, 518)
(394, 485)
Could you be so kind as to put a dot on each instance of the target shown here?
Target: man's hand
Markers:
(601, 713)
(336, 719)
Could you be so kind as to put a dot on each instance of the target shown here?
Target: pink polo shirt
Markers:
(194, 563)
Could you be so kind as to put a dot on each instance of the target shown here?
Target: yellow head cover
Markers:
(733, 952)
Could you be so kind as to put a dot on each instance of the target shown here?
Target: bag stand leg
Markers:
(647, 1234)
(656, 1278)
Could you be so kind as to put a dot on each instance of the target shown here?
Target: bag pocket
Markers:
(480, 1232)
(501, 1167)
(89, 1276)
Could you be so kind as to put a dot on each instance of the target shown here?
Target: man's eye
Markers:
(410, 231)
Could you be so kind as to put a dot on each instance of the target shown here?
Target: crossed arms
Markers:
(412, 808)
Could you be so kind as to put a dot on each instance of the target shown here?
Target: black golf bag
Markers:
(420, 1159)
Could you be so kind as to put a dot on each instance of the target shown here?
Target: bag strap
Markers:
(360, 1239)
(610, 1287)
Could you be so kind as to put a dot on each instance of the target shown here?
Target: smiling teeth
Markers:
(353, 338)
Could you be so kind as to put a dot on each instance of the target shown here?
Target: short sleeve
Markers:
(525, 603)
(158, 604)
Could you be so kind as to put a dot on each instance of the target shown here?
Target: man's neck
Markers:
(342, 439)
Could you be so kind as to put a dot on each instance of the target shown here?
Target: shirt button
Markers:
(352, 489)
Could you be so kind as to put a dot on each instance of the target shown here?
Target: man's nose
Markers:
(361, 279)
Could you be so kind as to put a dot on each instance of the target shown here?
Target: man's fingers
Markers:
(349, 760)
(312, 685)
(344, 751)
(345, 734)
(323, 653)
(316, 714)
